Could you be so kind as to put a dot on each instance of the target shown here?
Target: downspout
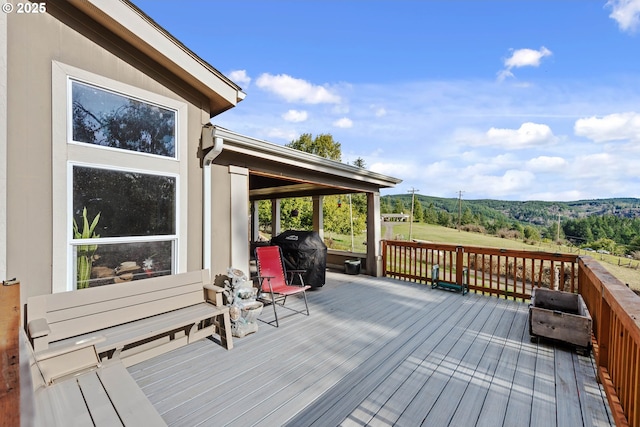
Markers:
(215, 145)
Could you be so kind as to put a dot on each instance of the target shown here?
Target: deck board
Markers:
(569, 412)
(440, 365)
(473, 359)
(479, 384)
(496, 393)
(377, 351)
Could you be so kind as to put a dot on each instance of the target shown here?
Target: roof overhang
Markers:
(276, 171)
(140, 31)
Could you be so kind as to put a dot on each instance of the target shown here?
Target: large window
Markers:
(130, 218)
(113, 120)
(123, 180)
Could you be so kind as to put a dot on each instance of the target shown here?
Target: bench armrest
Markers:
(38, 328)
(68, 360)
(213, 294)
(78, 345)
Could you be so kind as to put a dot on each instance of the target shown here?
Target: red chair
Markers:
(274, 281)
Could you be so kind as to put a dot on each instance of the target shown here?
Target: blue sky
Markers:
(512, 100)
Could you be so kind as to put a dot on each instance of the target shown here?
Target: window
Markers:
(122, 179)
(130, 217)
(113, 120)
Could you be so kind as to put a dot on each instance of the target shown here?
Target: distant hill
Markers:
(537, 213)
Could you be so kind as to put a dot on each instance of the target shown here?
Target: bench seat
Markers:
(104, 394)
(107, 396)
(162, 332)
(131, 321)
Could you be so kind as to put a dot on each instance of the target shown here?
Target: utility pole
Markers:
(459, 208)
(413, 195)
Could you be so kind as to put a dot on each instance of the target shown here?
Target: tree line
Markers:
(611, 225)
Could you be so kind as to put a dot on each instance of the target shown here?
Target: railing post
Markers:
(383, 250)
(10, 349)
(604, 335)
(459, 266)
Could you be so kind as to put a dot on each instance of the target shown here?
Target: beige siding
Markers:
(34, 41)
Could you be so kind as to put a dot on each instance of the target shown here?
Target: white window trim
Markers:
(66, 153)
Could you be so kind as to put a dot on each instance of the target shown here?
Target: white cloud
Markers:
(528, 135)
(282, 134)
(522, 58)
(546, 164)
(401, 170)
(600, 166)
(240, 77)
(296, 90)
(613, 127)
(378, 111)
(626, 13)
(439, 140)
(511, 182)
(343, 123)
(340, 109)
(295, 116)
(526, 58)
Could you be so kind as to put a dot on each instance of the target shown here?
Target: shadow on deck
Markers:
(378, 351)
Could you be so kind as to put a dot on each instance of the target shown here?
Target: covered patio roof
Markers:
(276, 171)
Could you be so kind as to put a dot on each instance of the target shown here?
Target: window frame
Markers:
(67, 153)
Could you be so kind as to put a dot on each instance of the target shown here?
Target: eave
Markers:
(146, 36)
(279, 171)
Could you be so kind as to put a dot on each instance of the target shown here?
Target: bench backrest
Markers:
(79, 312)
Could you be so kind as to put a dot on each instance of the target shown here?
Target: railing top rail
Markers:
(519, 253)
(622, 300)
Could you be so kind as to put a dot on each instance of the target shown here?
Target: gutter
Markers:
(215, 146)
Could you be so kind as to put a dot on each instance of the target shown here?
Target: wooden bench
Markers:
(443, 284)
(106, 394)
(131, 321)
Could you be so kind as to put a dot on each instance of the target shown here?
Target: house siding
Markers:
(33, 43)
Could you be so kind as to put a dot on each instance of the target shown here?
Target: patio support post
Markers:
(318, 218)
(239, 181)
(275, 217)
(255, 221)
(374, 256)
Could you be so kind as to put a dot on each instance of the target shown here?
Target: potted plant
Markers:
(85, 253)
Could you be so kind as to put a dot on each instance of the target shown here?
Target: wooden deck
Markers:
(380, 352)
